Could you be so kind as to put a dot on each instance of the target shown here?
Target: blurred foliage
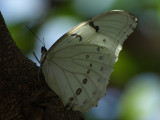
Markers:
(24, 39)
(141, 100)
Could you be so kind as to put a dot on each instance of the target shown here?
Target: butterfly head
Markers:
(43, 56)
(43, 50)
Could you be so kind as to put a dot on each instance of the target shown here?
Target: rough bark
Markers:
(22, 95)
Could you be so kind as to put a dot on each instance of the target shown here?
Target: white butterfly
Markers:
(78, 66)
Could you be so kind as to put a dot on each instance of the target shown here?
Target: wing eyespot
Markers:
(85, 81)
(104, 40)
(88, 71)
(78, 91)
(94, 93)
(87, 56)
(71, 98)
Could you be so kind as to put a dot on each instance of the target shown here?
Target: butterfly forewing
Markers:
(78, 66)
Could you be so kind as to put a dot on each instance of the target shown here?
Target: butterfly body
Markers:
(78, 66)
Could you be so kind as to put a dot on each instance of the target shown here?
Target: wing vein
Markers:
(69, 85)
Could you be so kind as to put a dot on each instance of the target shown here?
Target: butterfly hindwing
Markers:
(78, 66)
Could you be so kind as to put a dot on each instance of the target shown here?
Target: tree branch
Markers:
(22, 95)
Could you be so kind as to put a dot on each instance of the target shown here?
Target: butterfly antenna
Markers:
(35, 35)
(36, 57)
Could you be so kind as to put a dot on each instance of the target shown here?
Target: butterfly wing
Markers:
(78, 66)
